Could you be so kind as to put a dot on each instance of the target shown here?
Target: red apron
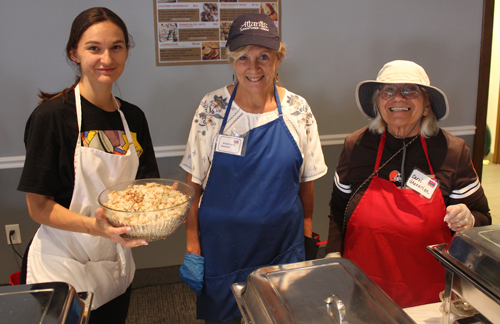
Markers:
(387, 236)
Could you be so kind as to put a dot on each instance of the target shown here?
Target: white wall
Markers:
(333, 45)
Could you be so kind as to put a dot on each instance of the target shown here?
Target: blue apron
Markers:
(250, 215)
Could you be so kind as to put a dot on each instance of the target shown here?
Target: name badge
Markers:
(422, 183)
(229, 144)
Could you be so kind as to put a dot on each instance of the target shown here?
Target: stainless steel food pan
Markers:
(472, 262)
(44, 303)
(331, 290)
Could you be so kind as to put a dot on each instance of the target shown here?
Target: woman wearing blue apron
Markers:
(252, 156)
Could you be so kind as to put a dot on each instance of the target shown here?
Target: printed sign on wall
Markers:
(195, 31)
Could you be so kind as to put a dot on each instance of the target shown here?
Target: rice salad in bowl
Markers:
(152, 208)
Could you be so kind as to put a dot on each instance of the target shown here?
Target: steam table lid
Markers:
(45, 303)
(298, 292)
(478, 250)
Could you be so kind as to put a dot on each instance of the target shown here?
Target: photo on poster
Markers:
(210, 12)
(270, 9)
(224, 30)
(168, 32)
(210, 50)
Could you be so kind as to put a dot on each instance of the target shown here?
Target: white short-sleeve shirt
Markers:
(207, 122)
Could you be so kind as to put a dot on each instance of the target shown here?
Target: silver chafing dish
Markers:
(331, 290)
(44, 303)
(472, 262)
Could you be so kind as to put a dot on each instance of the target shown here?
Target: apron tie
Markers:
(121, 256)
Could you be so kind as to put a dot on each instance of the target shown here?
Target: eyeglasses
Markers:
(409, 91)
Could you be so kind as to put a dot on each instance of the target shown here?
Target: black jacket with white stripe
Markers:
(449, 157)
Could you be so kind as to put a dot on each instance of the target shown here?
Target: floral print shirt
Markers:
(208, 119)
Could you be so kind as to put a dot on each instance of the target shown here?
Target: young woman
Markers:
(78, 142)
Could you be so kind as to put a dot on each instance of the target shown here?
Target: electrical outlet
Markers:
(16, 238)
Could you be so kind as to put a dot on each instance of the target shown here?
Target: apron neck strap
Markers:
(230, 104)
(228, 109)
(277, 98)
(380, 150)
(78, 104)
(381, 146)
(424, 146)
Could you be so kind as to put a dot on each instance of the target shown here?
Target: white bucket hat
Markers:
(397, 72)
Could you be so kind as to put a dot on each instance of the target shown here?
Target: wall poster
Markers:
(189, 32)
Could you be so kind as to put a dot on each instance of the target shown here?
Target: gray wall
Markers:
(333, 44)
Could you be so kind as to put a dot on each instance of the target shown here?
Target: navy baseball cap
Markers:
(253, 29)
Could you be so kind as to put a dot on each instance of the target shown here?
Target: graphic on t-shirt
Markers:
(110, 141)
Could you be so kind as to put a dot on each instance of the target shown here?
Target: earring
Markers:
(277, 78)
(233, 78)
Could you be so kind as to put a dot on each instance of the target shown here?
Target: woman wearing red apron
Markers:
(253, 152)
(402, 184)
(79, 142)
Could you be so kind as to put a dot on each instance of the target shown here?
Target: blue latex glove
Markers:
(192, 271)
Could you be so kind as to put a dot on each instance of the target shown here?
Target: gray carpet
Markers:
(172, 303)
(160, 296)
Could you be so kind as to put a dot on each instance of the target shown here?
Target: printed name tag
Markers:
(229, 144)
(422, 183)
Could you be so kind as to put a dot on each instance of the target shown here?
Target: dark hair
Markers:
(81, 23)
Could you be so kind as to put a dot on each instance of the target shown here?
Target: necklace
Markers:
(371, 176)
(115, 101)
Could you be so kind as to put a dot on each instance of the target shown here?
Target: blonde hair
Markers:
(428, 124)
(239, 52)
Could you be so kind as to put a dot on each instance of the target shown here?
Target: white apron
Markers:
(89, 263)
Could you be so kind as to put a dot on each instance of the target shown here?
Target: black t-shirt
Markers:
(50, 138)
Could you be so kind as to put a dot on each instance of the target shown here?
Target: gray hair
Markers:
(428, 124)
